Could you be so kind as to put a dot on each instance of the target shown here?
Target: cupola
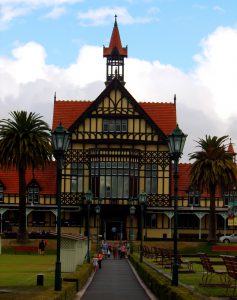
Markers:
(115, 55)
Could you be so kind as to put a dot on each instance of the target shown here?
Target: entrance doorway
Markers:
(114, 230)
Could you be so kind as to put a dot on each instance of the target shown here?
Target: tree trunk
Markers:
(212, 216)
(22, 236)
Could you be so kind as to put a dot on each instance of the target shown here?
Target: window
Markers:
(115, 125)
(151, 221)
(193, 198)
(230, 198)
(1, 193)
(76, 177)
(33, 193)
(151, 178)
(114, 179)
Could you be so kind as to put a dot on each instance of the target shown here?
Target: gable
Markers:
(161, 116)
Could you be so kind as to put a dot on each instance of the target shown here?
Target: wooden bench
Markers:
(25, 249)
(209, 271)
(231, 267)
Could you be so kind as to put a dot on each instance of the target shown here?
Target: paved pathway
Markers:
(115, 280)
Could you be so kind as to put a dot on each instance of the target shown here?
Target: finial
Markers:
(54, 96)
(174, 98)
(115, 20)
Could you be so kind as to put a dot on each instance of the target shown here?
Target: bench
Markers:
(231, 267)
(25, 249)
(209, 271)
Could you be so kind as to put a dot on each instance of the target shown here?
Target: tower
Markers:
(115, 54)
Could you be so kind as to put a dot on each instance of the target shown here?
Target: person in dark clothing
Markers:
(41, 247)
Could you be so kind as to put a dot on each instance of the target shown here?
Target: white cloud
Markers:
(56, 12)
(206, 101)
(95, 17)
(218, 9)
(217, 70)
(39, 2)
(11, 9)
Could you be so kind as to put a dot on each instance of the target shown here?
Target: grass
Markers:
(18, 273)
(22, 270)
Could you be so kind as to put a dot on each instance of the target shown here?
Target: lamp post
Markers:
(97, 211)
(142, 202)
(176, 141)
(60, 142)
(88, 197)
(132, 211)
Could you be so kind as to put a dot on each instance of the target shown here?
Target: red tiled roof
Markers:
(67, 112)
(162, 114)
(115, 43)
(184, 182)
(46, 179)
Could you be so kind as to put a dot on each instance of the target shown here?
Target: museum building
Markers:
(118, 150)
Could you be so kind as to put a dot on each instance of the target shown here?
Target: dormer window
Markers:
(115, 125)
(33, 193)
(193, 198)
(1, 193)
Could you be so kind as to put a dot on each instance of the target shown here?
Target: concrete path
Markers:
(115, 280)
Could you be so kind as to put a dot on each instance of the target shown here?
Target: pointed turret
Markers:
(231, 150)
(115, 54)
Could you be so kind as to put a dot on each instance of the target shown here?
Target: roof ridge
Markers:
(73, 100)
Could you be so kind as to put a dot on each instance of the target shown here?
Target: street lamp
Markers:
(60, 142)
(142, 201)
(97, 211)
(132, 211)
(176, 141)
(88, 197)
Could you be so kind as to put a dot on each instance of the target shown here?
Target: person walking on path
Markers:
(99, 257)
(95, 263)
(42, 245)
(104, 248)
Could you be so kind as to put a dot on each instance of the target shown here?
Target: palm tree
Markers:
(24, 143)
(213, 167)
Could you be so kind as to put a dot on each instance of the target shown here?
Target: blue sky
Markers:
(182, 47)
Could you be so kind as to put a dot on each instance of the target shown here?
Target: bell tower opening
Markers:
(115, 55)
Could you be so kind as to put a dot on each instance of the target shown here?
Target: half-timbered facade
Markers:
(118, 149)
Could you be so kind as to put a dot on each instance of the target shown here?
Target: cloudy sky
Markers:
(187, 48)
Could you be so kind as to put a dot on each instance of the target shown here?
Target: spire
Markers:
(231, 150)
(115, 54)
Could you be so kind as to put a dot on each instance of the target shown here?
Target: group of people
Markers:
(108, 250)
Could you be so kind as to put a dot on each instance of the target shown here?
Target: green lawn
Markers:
(22, 270)
(18, 276)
